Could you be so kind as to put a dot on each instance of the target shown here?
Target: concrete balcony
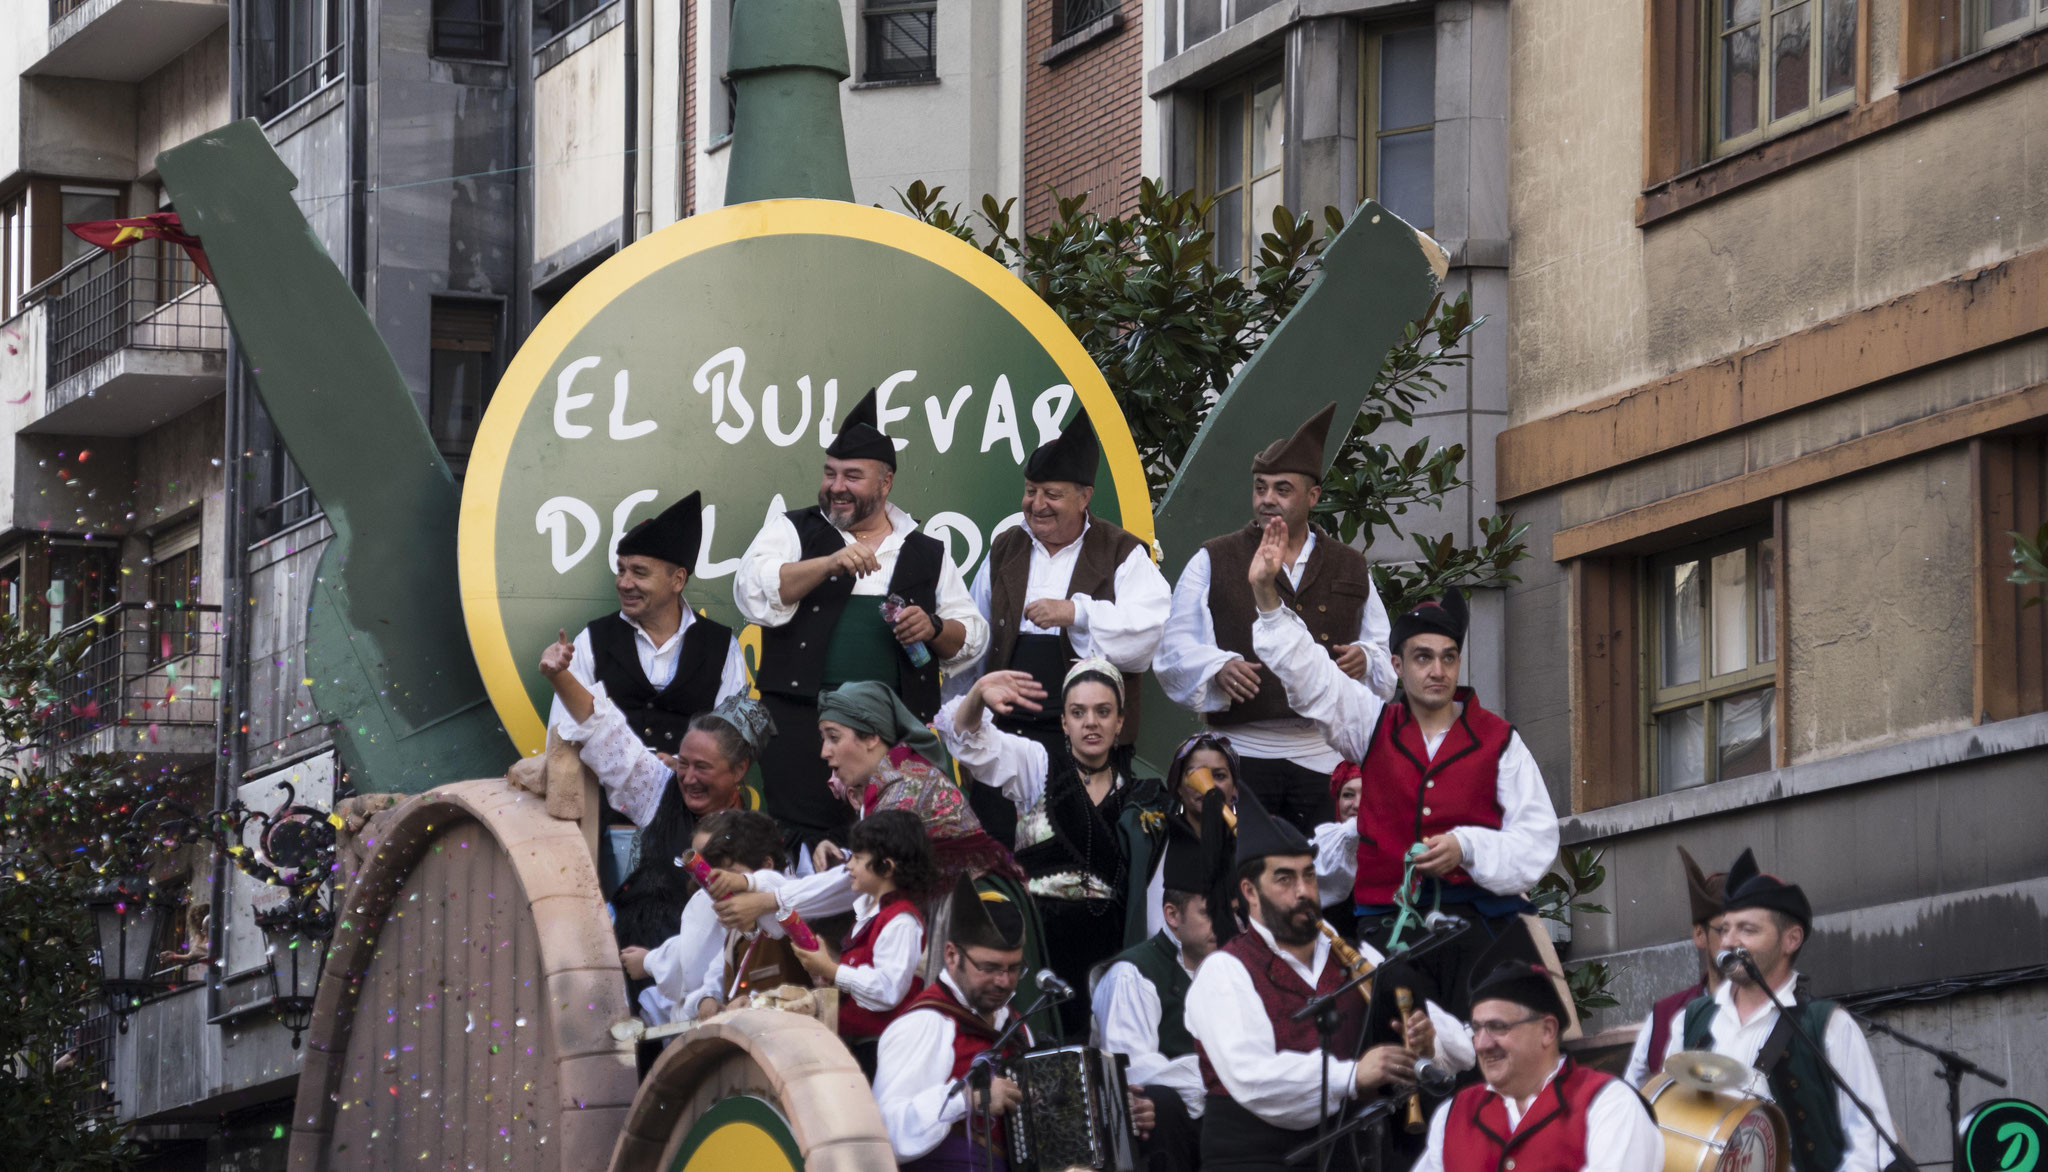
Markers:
(147, 687)
(134, 339)
(175, 1064)
(124, 40)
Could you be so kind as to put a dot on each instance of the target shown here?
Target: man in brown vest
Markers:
(1205, 659)
(1063, 586)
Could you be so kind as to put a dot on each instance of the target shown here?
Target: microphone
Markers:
(1732, 960)
(1050, 985)
(1443, 922)
(1435, 1080)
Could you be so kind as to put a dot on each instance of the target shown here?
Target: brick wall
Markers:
(1082, 115)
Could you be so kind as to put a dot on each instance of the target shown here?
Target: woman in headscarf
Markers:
(1082, 814)
(1204, 763)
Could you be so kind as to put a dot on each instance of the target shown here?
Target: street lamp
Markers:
(296, 931)
(129, 915)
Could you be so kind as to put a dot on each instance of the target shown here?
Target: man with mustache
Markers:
(1537, 1109)
(659, 662)
(1206, 661)
(819, 582)
(1064, 585)
(1264, 1071)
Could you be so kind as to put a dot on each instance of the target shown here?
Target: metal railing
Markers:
(148, 296)
(552, 18)
(147, 668)
(902, 43)
(301, 83)
(1076, 15)
(92, 1042)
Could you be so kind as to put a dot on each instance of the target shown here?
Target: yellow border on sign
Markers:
(477, 537)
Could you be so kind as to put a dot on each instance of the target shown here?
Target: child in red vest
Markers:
(891, 868)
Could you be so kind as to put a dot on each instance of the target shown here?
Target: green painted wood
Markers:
(386, 647)
(786, 61)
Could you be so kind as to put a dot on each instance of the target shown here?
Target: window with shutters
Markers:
(462, 374)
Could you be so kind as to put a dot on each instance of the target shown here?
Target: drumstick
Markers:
(1405, 1000)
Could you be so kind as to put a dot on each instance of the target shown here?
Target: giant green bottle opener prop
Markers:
(386, 646)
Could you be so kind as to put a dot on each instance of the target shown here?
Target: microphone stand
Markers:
(1901, 1162)
(982, 1070)
(1953, 1067)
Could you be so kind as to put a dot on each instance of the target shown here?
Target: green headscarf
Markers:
(871, 707)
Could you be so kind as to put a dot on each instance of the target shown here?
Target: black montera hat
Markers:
(1749, 887)
(860, 435)
(1260, 835)
(984, 919)
(1509, 970)
(1071, 455)
(1446, 616)
(673, 536)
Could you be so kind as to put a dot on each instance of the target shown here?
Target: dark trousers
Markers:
(956, 1153)
(795, 782)
(1235, 1140)
(1287, 790)
(1176, 1140)
(1446, 968)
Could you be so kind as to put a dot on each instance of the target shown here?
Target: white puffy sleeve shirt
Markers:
(1127, 1009)
(1620, 1135)
(1125, 631)
(899, 947)
(913, 1068)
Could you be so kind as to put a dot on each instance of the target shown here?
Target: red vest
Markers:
(857, 1021)
(1552, 1137)
(1408, 795)
(971, 1036)
(1662, 1015)
(1282, 991)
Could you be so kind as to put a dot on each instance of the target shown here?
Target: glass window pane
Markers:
(79, 206)
(1731, 612)
(1738, 82)
(1680, 602)
(1269, 127)
(1408, 176)
(1791, 60)
(1838, 47)
(1407, 79)
(1682, 748)
(1265, 197)
(1229, 219)
(1998, 12)
(1227, 148)
(1745, 734)
(1767, 600)
(1735, 13)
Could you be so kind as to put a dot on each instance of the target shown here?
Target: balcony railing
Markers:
(148, 296)
(147, 668)
(301, 83)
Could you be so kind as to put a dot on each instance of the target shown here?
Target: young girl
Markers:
(891, 868)
(1337, 849)
(747, 844)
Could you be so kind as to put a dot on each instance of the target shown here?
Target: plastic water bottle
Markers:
(892, 606)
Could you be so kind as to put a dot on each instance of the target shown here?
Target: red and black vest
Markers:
(1407, 795)
(1552, 1137)
(856, 1021)
(971, 1037)
(659, 716)
(1661, 1016)
(1282, 991)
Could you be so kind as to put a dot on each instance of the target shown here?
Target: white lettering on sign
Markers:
(723, 387)
(1047, 416)
(771, 413)
(553, 519)
(944, 525)
(566, 402)
(706, 567)
(1002, 420)
(942, 421)
(620, 429)
(620, 514)
(885, 414)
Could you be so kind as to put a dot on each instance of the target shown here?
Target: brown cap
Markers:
(1300, 453)
(1703, 890)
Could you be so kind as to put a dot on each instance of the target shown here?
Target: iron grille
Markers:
(301, 83)
(146, 668)
(902, 42)
(148, 296)
(1076, 15)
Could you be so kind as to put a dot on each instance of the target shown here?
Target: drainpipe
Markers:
(630, 178)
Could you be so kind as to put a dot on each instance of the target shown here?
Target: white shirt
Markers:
(1128, 1013)
(685, 961)
(913, 1074)
(634, 779)
(1336, 861)
(1125, 632)
(1507, 861)
(1639, 1070)
(1284, 1087)
(817, 895)
(718, 976)
(1620, 1135)
(657, 663)
(1846, 1048)
(1188, 660)
(757, 587)
(899, 948)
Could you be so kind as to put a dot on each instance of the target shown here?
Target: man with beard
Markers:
(1206, 661)
(659, 662)
(1771, 919)
(1439, 772)
(824, 583)
(1140, 1001)
(1537, 1109)
(1703, 892)
(1264, 1070)
(1064, 585)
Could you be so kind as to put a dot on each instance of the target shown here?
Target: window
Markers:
(16, 267)
(84, 580)
(902, 40)
(552, 18)
(1775, 64)
(1713, 639)
(1071, 16)
(463, 372)
(1246, 142)
(469, 30)
(1993, 21)
(296, 47)
(77, 205)
(174, 624)
(279, 498)
(1398, 154)
(10, 593)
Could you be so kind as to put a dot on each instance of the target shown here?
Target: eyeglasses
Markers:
(996, 970)
(1499, 1029)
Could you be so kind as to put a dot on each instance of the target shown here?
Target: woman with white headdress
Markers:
(1081, 812)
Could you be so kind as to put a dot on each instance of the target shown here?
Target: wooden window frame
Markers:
(1659, 699)
(1817, 105)
(1248, 85)
(1981, 37)
(2009, 669)
(1370, 134)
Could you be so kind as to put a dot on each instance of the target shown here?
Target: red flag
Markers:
(117, 234)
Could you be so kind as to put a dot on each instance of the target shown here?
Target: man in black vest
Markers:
(1205, 660)
(1771, 919)
(1139, 1002)
(1063, 586)
(656, 659)
(847, 590)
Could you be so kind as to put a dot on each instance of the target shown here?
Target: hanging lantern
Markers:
(296, 932)
(129, 915)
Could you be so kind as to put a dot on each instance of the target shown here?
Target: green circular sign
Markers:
(718, 355)
(2005, 1135)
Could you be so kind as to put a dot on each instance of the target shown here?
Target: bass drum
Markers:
(1707, 1131)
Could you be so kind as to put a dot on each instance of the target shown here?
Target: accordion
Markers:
(1075, 1112)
